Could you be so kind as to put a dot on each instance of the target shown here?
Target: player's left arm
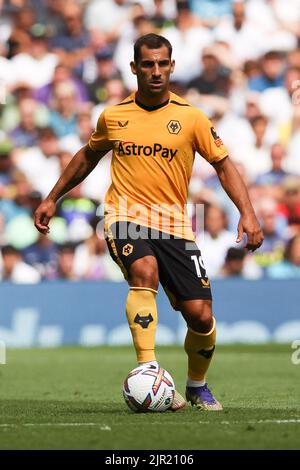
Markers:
(235, 188)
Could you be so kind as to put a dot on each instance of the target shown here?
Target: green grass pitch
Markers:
(70, 398)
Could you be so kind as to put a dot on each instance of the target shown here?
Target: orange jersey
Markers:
(153, 154)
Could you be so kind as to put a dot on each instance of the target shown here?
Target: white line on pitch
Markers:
(102, 427)
(108, 428)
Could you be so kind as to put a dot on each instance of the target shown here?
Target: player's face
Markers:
(153, 70)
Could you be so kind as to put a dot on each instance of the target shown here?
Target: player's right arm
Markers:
(81, 165)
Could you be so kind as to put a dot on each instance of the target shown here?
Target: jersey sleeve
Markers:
(206, 140)
(99, 139)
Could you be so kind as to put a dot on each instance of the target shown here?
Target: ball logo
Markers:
(174, 127)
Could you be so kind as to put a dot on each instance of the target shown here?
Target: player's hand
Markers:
(249, 224)
(43, 214)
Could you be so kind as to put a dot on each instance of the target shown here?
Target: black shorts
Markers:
(181, 270)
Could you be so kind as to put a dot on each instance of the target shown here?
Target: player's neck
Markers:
(150, 101)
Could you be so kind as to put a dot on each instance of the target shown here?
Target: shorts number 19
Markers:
(198, 261)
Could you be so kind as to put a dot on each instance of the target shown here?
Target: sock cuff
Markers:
(204, 334)
(144, 288)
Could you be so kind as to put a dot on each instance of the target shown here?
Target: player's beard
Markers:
(151, 92)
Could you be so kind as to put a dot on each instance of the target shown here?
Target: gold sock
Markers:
(141, 314)
(199, 348)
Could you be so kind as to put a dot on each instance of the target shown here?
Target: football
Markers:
(148, 388)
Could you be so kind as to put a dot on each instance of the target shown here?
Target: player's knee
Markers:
(205, 320)
(198, 315)
(144, 273)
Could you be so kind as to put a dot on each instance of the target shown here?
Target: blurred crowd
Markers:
(63, 61)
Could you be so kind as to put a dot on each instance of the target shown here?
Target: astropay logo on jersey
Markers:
(156, 150)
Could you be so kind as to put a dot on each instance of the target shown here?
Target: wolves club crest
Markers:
(143, 321)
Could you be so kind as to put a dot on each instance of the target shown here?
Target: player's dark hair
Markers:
(152, 41)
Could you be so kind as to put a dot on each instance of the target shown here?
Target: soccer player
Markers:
(154, 135)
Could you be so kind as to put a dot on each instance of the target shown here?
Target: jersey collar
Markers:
(151, 108)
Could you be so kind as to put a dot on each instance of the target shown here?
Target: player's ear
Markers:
(133, 67)
(172, 65)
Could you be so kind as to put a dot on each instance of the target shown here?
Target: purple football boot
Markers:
(202, 398)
